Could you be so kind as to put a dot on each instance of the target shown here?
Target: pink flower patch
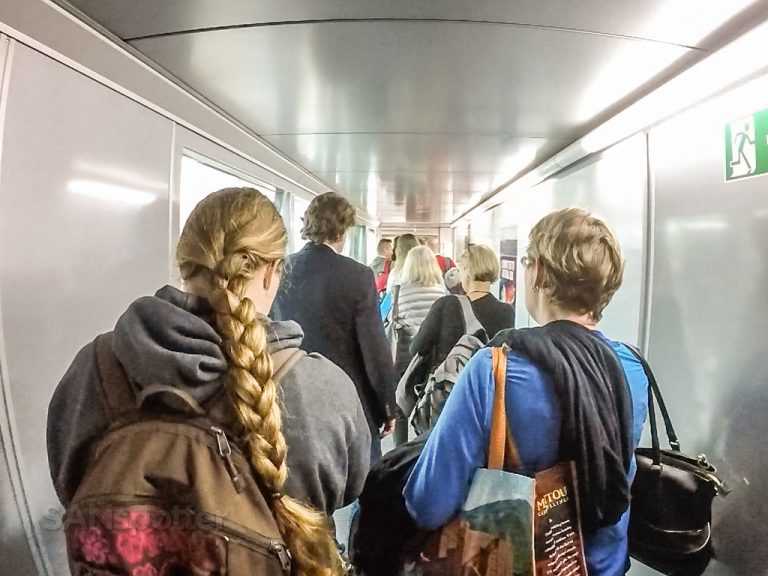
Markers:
(120, 520)
(130, 546)
(162, 540)
(89, 534)
(94, 546)
(141, 541)
(139, 520)
(151, 544)
(146, 570)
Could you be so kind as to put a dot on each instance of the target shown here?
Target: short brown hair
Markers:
(383, 243)
(580, 260)
(328, 218)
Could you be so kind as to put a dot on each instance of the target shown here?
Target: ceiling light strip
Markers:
(740, 60)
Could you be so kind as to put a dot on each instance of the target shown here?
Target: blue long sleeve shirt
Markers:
(458, 445)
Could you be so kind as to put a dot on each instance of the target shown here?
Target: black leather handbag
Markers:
(671, 514)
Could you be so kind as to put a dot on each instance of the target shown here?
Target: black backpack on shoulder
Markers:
(383, 527)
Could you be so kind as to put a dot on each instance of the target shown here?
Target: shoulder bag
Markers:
(671, 514)
(509, 524)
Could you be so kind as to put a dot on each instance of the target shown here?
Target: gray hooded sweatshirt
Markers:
(166, 338)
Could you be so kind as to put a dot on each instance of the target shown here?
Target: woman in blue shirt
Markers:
(573, 267)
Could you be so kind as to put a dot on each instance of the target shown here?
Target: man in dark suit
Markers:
(334, 300)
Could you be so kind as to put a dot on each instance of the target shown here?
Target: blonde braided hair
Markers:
(229, 235)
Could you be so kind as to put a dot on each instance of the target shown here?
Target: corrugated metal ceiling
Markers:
(417, 110)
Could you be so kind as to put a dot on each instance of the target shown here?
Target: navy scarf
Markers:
(596, 429)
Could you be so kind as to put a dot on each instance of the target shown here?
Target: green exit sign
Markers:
(746, 146)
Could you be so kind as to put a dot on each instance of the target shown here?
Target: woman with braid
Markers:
(307, 440)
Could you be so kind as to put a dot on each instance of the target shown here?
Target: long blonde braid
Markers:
(228, 236)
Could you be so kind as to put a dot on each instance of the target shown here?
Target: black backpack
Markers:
(432, 396)
(383, 527)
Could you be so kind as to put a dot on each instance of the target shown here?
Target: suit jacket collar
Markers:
(319, 248)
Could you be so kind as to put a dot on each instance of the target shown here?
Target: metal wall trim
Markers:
(8, 433)
(174, 193)
(644, 336)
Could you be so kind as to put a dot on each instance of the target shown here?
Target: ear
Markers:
(270, 274)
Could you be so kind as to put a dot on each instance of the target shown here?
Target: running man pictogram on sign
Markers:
(746, 146)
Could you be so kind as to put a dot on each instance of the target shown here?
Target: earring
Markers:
(535, 288)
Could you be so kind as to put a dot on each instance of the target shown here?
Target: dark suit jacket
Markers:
(334, 300)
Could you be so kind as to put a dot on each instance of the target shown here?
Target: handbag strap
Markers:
(655, 391)
(502, 451)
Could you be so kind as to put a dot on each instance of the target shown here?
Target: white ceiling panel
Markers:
(416, 110)
(412, 152)
(430, 196)
(410, 77)
(684, 22)
(408, 97)
(395, 166)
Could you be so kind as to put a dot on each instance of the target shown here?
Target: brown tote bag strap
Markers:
(502, 452)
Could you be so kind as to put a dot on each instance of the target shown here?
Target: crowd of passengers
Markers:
(244, 302)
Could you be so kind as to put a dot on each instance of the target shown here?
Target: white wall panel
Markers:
(17, 542)
(17, 557)
(84, 222)
(16, 547)
(614, 187)
(45, 25)
(709, 313)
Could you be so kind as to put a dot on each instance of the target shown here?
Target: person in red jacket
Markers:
(444, 262)
(383, 253)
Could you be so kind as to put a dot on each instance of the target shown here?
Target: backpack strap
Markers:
(471, 323)
(173, 397)
(118, 394)
(122, 398)
(445, 263)
(395, 302)
(283, 360)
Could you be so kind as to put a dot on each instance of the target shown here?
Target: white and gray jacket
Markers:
(413, 304)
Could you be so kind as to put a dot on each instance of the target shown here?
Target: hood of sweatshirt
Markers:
(168, 339)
